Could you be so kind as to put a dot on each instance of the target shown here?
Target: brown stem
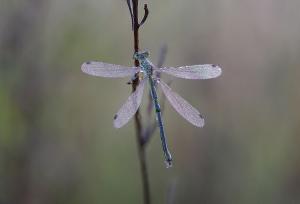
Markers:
(137, 117)
(145, 15)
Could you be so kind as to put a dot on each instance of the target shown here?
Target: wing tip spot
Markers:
(218, 69)
(115, 116)
(117, 123)
(216, 66)
(201, 124)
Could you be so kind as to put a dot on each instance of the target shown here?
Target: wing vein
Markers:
(130, 107)
(205, 71)
(107, 70)
(185, 109)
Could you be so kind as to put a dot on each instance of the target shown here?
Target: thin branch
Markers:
(130, 11)
(145, 15)
(137, 117)
(162, 56)
(170, 199)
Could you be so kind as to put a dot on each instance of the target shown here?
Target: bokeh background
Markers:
(57, 141)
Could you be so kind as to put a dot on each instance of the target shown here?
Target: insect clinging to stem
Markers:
(149, 73)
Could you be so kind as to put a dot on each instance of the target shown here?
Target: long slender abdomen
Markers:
(167, 154)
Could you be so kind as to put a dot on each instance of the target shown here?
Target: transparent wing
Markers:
(130, 107)
(204, 71)
(107, 70)
(186, 110)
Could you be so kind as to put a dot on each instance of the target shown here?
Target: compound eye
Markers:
(134, 56)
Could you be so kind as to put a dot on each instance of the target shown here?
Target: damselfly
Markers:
(147, 71)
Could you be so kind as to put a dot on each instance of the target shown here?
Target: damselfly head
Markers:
(141, 55)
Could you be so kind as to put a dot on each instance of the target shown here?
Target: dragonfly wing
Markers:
(107, 70)
(130, 107)
(185, 109)
(204, 71)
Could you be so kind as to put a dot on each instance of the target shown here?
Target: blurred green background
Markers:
(57, 141)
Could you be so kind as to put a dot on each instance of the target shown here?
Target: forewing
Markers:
(107, 70)
(186, 110)
(204, 71)
(129, 108)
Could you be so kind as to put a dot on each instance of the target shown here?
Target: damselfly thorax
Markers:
(145, 64)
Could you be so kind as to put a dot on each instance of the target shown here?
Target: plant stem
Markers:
(137, 117)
